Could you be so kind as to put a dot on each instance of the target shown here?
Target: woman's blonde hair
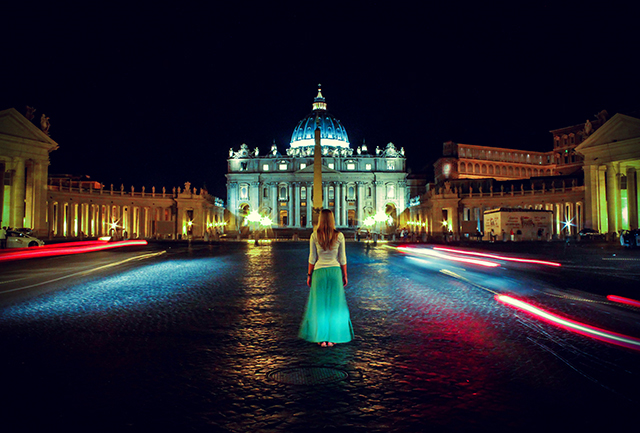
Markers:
(326, 232)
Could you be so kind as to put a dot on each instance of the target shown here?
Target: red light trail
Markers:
(493, 256)
(66, 249)
(572, 325)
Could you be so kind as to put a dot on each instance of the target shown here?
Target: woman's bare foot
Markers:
(323, 344)
(330, 344)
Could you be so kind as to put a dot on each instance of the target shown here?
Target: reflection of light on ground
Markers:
(493, 256)
(66, 249)
(431, 253)
(110, 298)
(622, 300)
(572, 325)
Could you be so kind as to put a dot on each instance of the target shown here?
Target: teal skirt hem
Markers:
(326, 316)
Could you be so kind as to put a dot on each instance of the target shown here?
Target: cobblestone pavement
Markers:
(204, 339)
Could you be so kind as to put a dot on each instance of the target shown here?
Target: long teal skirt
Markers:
(326, 317)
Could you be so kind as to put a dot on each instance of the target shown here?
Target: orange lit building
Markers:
(582, 180)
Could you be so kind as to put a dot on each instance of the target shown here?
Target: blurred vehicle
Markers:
(16, 239)
(630, 238)
(591, 235)
(588, 232)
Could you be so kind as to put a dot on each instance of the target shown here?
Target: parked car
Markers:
(630, 238)
(590, 234)
(17, 239)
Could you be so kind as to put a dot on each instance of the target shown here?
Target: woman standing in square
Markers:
(326, 319)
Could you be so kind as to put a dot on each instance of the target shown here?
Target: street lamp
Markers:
(261, 221)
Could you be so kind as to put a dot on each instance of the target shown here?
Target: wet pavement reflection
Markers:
(196, 339)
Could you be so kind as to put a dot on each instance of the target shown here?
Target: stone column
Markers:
(613, 198)
(51, 218)
(61, 219)
(343, 204)
(379, 196)
(591, 196)
(632, 197)
(296, 194)
(359, 203)
(290, 204)
(325, 195)
(79, 220)
(18, 194)
(309, 206)
(273, 188)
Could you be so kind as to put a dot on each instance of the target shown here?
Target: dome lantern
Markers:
(332, 134)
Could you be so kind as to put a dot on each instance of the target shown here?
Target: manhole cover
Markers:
(308, 375)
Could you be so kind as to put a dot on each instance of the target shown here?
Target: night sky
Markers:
(156, 95)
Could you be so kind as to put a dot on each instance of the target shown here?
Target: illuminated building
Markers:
(356, 184)
(67, 207)
(611, 164)
(24, 166)
(588, 175)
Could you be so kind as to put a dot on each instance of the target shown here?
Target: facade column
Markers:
(100, 222)
(337, 208)
(343, 204)
(296, 208)
(79, 220)
(51, 218)
(309, 208)
(359, 203)
(275, 217)
(290, 204)
(378, 188)
(61, 219)
(591, 196)
(632, 198)
(603, 219)
(18, 194)
(325, 195)
(613, 198)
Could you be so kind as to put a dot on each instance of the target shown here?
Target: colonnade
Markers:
(611, 197)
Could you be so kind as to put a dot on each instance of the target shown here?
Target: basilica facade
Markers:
(357, 183)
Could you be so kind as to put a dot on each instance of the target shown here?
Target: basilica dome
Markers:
(332, 133)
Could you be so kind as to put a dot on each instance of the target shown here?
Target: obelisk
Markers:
(317, 174)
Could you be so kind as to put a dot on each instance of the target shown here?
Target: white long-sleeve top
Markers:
(335, 256)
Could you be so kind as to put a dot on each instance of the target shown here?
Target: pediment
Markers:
(325, 169)
(14, 124)
(619, 128)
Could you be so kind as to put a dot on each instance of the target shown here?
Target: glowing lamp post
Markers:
(258, 222)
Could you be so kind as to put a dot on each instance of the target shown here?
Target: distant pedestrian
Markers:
(3, 237)
(326, 319)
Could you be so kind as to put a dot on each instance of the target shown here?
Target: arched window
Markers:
(462, 167)
(303, 193)
(351, 191)
(491, 169)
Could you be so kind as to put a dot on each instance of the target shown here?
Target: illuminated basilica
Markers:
(356, 183)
